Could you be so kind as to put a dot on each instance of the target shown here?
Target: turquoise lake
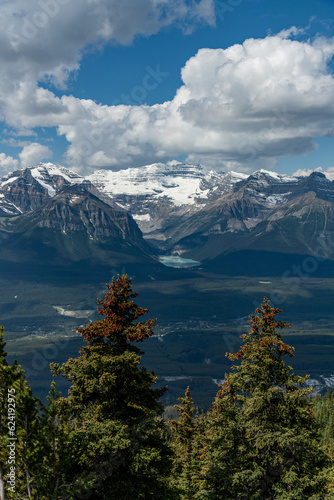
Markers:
(175, 261)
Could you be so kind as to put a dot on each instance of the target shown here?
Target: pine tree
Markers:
(19, 430)
(264, 417)
(187, 448)
(224, 449)
(117, 447)
(50, 478)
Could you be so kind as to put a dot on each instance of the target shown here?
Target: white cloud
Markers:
(246, 105)
(243, 106)
(7, 164)
(34, 153)
(329, 173)
(46, 38)
(293, 31)
(304, 172)
(44, 41)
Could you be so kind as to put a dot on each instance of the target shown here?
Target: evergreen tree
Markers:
(263, 435)
(186, 446)
(19, 431)
(324, 413)
(51, 478)
(224, 447)
(117, 445)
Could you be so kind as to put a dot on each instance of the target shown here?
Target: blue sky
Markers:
(235, 84)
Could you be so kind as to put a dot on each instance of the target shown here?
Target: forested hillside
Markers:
(263, 438)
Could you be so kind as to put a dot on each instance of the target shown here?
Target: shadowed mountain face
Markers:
(21, 193)
(73, 230)
(261, 213)
(59, 216)
(77, 210)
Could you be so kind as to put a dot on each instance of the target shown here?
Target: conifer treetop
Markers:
(262, 366)
(120, 312)
(263, 329)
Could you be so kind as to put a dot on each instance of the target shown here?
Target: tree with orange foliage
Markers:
(263, 438)
(116, 435)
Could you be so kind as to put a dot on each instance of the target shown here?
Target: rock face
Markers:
(263, 212)
(158, 194)
(49, 215)
(27, 189)
(75, 209)
(179, 208)
(20, 193)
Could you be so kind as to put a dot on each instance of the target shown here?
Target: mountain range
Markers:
(63, 236)
(52, 218)
(165, 209)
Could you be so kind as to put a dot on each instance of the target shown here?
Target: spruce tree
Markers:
(117, 446)
(187, 436)
(324, 413)
(224, 447)
(19, 431)
(263, 435)
(51, 479)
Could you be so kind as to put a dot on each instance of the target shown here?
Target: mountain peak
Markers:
(318, 175)
(272, 176)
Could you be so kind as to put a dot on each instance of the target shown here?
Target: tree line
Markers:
(263, 438)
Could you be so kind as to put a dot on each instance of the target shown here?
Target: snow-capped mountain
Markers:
(50, 215)
(179, 183)
(27, 189)
(265, 212)
(155, 193)
(181, 208)
(54, 177)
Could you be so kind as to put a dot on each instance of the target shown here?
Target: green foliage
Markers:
(262, 434)
(20, 430)
(187, 446)
(117, 444)
(323, 408)
(106, 440)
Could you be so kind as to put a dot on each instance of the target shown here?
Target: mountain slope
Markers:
(158, 194)
(74, 233)
(180, 208)
(295, 217)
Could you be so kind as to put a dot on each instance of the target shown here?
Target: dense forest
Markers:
(264, 437)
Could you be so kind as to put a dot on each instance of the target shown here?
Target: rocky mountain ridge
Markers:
(263, 212)
(50, 216)
(179, 208)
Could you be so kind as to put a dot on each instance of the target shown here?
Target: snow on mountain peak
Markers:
(275, 176)
(173, 184)
(47, 173)
(176, 181)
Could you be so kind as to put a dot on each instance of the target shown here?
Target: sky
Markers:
(108, 84)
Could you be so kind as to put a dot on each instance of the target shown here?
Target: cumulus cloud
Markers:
(305, 172)
(34, 153)
(243, 106)
(7, 164)
(293, 31)
(45, 38)
(329, 173)
(240, 107)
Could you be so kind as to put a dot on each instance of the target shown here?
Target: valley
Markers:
(202, 260)
(199, 318)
